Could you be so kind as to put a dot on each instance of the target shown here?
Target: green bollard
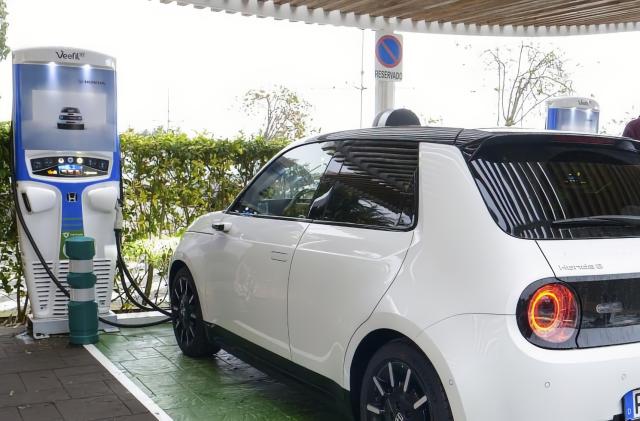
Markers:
(83, 309)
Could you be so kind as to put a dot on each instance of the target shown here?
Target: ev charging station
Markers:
(67, 172)
(573, 114)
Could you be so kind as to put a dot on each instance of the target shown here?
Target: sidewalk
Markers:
(48, 380)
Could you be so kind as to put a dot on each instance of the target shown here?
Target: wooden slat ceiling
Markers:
(540, 13)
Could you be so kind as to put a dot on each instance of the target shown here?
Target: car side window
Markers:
(287, 187)
(370, 183)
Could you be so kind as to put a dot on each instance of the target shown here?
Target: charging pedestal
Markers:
(67, 161)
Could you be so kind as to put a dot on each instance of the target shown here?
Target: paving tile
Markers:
(78, 360)
(137, 417)
(167, 340)
(31, 397)
(141, 342)
(19, 363)
(86, 390)
(46, 411)
(96, 408)
(135, 406)
(169, 350)
(113, 341)
(118, 356)
(144, 353)
(179, 400)
(40, 380)
(185, 414)
(11, 383)
(149, 366)
(82, 374)
(152, 381)
(120, 391)
(10, 414)
(141, 386)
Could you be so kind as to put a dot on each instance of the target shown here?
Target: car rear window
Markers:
(560, 186)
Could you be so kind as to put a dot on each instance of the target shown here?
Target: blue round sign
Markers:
(389, 51)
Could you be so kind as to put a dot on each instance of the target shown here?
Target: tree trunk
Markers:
(147, 288)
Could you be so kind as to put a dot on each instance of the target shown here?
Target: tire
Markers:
(188, 327)
(422, 398)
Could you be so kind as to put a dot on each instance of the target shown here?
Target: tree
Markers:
(4, 50)
(526, 79)
(285, 115)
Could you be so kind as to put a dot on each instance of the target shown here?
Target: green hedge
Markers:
(169, 180)
(10, 267)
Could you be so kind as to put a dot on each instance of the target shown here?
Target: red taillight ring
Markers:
(552, 313)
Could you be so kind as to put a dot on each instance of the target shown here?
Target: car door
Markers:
(362, 227)
(247, 294)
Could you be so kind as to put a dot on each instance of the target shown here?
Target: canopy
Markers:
(463, 17)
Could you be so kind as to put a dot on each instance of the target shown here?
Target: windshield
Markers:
(560, 186)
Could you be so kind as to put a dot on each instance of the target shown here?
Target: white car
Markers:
(70, 118)
(431, 274)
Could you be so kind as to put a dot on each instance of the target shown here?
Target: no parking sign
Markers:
(389, 57)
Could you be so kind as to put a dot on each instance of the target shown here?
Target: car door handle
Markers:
(279, 256)
(221, 226)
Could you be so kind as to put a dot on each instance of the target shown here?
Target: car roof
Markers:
(444, 135)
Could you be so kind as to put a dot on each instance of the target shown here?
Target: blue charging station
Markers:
(575, 114)
(67, 168)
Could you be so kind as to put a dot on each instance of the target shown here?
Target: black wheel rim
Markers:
(184, 306)
(396, 393)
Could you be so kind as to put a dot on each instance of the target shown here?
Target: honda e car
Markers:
(418, 273)
(70, 119)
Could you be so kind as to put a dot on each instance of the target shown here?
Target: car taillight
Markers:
(549, 315)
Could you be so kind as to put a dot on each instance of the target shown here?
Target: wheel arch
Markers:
(178, 264)
(381, 329)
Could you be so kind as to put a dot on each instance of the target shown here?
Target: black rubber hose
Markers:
(123, 267)
(43, 262)
(127, 292)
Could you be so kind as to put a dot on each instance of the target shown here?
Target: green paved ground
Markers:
(217, 388)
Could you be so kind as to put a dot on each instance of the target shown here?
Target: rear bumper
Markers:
(490, 372)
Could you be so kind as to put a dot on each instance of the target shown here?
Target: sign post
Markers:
(388, 68)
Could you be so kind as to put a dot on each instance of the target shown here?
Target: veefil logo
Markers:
(74, 55)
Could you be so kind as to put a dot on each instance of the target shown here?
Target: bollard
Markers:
(83, 309)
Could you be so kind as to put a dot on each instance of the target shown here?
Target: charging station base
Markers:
(43, 328)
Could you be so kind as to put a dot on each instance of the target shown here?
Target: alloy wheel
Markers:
(184, 306)
(396, 393)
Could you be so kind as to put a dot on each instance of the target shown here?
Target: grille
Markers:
(52, 302)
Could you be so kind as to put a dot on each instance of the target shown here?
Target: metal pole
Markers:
(361, 87)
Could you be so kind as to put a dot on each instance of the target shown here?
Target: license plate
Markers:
(631, 405)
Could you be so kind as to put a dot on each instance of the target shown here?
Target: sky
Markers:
(198, 64)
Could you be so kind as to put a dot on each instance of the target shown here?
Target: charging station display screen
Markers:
(67, 108)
